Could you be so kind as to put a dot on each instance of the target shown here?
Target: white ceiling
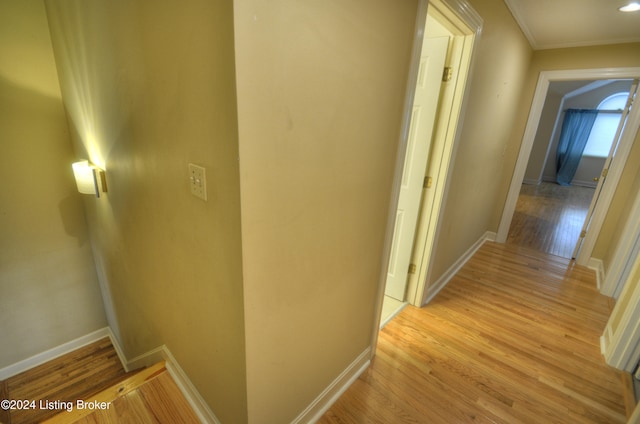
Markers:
(571, 23)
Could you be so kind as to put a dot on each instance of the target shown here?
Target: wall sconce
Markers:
(89, 178)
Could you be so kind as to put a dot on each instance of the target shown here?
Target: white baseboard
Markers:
(531, 182)
(582, 183)
(200, 407)
(330, 395)
(48, 355)
(162, 353)
(441, 282)
(598, 266)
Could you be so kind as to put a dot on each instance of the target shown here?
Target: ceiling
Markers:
(550, 24)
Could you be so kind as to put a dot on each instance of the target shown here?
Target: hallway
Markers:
(549, 217)
(513, 338)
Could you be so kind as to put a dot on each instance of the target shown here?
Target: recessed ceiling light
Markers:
(631, 7)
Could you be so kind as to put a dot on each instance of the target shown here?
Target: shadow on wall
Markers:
(35, 133)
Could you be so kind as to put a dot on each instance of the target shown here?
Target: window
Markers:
(605, 126)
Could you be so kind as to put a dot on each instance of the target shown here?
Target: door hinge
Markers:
(583, 234)
(412, 268)
(427, 182)
(447, 74)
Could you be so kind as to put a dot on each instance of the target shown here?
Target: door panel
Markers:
(434, 51)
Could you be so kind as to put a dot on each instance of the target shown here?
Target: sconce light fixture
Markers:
(631, 7)
(89, 178)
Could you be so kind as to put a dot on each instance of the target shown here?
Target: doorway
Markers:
(455, 22)
(599, 207)
(552, 208)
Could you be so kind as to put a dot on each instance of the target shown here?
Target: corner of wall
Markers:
(162, 353)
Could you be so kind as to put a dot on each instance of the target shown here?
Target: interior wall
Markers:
(149, 87)
(49, 292)
(544, 134)
(594, 57)
(499, 69)
(321, 87)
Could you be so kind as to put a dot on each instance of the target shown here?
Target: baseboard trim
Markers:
(48, 355)
(582, 183)
(441, 282)
(200, 407)
(598, 266)
(162, 353)
(531, 182)
(330, 395)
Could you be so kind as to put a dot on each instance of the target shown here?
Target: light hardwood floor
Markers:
(149, 397)
(513, 338)
(94, 374)
(549, 217)
(77, 375)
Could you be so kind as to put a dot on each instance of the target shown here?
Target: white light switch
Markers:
(198, 181)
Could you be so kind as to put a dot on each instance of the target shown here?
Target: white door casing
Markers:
(604, 172)
(615, 172)
(432, 60)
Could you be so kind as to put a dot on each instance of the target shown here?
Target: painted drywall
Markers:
(544, 135)
(320, 93)
(499, 69)
(49, 292)
(595, 57)
(149, 87)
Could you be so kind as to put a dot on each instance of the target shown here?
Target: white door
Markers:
(432, 59)
(607, 164)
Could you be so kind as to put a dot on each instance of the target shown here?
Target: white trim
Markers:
(434, 289)
(531, 128)
(421, 20)
(598, 266)
(154, 356)
(465, 12)
(118, 349)
(623, 349)
(627, 249)
(48, 355)
(608, 186)
(468, 24)
(529, 181)
(393, 314)
(200, 407)
(330, 395)
(603, 344)
(162, 353)
(584, 183)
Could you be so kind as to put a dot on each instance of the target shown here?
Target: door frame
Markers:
(458, 12)
(615, 172)
(465, 25)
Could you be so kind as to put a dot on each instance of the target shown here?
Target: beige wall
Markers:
(538, 157)
(619, 55)
(500, 66)
(320, 93)
(49, 293)
(149, 87)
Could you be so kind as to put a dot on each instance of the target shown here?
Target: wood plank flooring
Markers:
(149, 397)
(77, 375)
(95, 375)
(513, 338)
(549, 217)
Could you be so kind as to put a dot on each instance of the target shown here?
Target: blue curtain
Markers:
(576, 128)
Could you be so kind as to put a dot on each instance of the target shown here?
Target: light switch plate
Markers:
(198, 181)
